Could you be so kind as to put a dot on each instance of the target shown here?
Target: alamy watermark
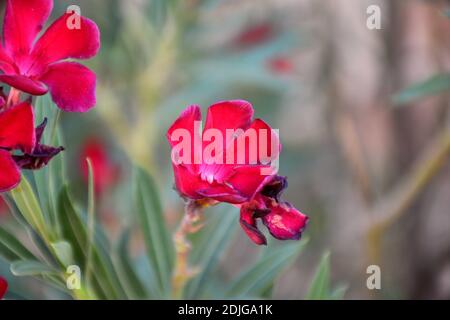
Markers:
(238, 147)
(73, 22)
(373, 21)
(373, 282)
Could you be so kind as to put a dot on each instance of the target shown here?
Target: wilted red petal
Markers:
(23, 21)
(60, 42)
(71, 85)
(274, 188)
(9, 174)
(22, 83)
(248, 223)
(285, 222)
(17, 128)
(40, 157)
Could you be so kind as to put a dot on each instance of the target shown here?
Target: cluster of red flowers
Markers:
(33, 67)
(256, 194)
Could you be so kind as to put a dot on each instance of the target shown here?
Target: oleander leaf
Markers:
(260, 276)
(156, 235)
(432, 86)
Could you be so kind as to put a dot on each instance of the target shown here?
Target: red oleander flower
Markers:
(106, 173)
(228, 172)
(38, 66)
(3, 287)
(206, 179)
(17, 133)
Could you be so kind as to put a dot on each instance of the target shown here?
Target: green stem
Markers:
(191, 223)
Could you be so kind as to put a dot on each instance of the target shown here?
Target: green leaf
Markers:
(28, 205)
(91, 218)
(49, 179)
(131, 280)
(260, 276)
(11, 248)
(432, 86)
(75, 232)
(320, 286)
(152, 222)
(159, 11)
(338, 293)
(64, 252)
(31, 268)
(208, 245)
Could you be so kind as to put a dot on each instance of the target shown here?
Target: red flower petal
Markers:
(186, 121)
(248, 224)
(60, 42)
(9, 175)
(23, 21)
(223, 116)
(188, 182)
(6, 64)
(267, 138)
(285, 222)
(233, 114)
(248, 180)
(17, 128)
(71, 85)
(22, 83)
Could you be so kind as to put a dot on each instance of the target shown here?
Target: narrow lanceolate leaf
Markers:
(432, 86)
(130, 278)
(260, 276)
(49, 179)
(31, 268)
(156, 236)
(63, 251)
(208, 246)
(12, 249)
(28, 205)
(338, 293)
(90, 219)
(74, 231)
(320, 285)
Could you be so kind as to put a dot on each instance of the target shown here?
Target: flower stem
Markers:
(13, 97)
(191, 223)
(402, 197)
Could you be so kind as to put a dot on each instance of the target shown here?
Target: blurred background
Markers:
(366, 160)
